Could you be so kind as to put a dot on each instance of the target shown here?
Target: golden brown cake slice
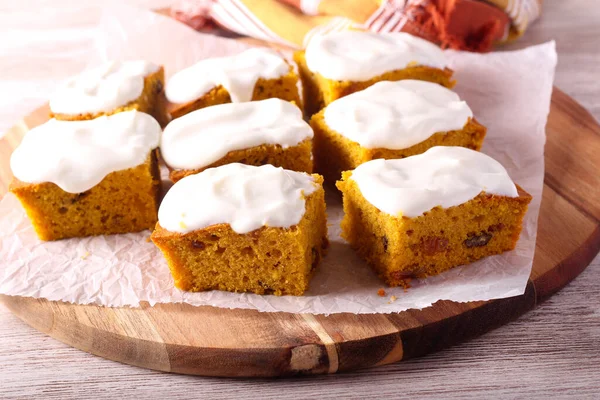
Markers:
(93, 177)
(390, 120)
(422, 215)
(341, 63)
(242, 228)
(110, 88)
(255, 133)
(255, 74)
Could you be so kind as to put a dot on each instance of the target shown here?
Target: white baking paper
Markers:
(509, 92)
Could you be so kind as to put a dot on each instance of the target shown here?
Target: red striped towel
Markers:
(460, 24)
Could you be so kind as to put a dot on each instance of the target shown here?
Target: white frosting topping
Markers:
(238, 74)
(77, 155)
(104, 88)
(442, 176)
(397, 115)
(245, 197)
(202, 137)
(360, 56)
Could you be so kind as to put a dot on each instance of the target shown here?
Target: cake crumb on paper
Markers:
(381, 292)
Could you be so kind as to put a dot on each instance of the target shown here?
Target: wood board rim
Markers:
(326, 344)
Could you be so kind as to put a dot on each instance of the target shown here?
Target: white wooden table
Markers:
(551, 351)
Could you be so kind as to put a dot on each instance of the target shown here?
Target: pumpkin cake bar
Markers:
(422, 215)
(391, 120)
(338, 64)
(92, 177)
(256, 133)
(110, 88)
(255, 74)
(243, 228)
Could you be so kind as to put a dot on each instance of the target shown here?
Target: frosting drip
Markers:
(442, 176)
(202, 137)
(238, 74)
(397, 115)
(77, 155)
(360, 56)
(104, 88)
(245, 197)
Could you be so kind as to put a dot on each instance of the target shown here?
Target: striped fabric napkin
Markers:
(474, 25)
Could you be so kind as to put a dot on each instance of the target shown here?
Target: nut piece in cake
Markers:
(255, 74)
(243, 228)
(255, 133)
(337, 64)
(92, 177)
(422, 215)
(112, 87)
(391, 120)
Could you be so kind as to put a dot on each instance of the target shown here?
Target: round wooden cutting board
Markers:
(220, 342)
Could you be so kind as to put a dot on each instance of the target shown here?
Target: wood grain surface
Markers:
(552, 350)
(231, 343)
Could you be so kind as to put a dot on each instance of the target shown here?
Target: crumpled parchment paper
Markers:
(509, 92)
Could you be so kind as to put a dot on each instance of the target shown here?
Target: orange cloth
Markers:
(460, 24)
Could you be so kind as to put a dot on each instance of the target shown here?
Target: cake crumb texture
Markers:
(124, 201)
(268, 260)
(401, 248)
